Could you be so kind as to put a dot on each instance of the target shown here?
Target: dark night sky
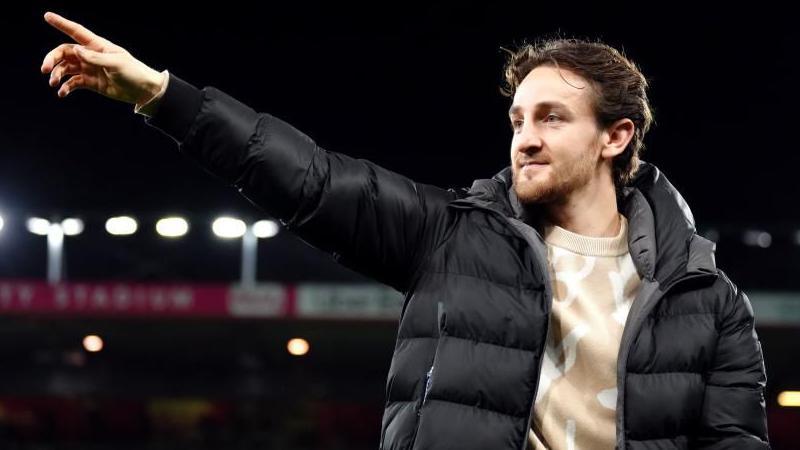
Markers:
(413, 88)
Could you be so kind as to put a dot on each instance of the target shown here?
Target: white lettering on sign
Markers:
(16, 296)
(120, 297)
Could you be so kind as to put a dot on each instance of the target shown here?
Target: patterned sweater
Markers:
(594, 283)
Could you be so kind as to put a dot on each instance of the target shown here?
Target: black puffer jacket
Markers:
(477, 295)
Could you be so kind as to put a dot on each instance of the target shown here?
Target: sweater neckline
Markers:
(587, 245)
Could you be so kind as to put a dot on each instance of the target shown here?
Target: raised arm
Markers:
(368, 218)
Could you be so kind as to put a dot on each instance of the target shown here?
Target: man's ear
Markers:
(616, 137)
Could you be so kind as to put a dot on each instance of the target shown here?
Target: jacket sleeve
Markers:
(734, 409)
(372, 220)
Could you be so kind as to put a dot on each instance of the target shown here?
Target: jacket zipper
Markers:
(626, 343)
(440, 317)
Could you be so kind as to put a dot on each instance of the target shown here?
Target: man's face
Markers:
(555, 129)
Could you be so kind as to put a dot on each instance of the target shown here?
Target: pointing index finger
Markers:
(73, 29)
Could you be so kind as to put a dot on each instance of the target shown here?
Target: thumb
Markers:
(93, 57)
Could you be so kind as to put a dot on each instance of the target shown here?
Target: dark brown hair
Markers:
(620, 89)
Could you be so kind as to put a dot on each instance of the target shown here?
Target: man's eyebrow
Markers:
(515, 109)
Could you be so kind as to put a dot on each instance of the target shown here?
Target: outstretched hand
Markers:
(97, 64)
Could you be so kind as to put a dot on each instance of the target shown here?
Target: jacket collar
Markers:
(662, 237)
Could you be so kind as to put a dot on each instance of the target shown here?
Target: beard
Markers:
(554, 182)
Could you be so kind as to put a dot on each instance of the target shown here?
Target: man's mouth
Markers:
(528, 166)
(533, 162)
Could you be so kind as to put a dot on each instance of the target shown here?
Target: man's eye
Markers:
(515, 124)
(552, 117)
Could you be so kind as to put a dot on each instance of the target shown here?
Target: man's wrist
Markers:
(157, 85)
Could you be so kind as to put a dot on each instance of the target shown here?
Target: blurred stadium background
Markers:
(146, 341)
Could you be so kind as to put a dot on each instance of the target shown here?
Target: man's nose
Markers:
(528, 138)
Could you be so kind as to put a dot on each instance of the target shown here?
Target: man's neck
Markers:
(591, 211)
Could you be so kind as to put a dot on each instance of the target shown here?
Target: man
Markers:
(565, 303)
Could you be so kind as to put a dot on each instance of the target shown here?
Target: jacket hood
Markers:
(662, 236)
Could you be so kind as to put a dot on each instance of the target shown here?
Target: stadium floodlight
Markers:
(121, 226)
(37, 225)
(229, 227)
(265, 229)
(72, 226)
(262, 229)
(55, 232)
(172, 227)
